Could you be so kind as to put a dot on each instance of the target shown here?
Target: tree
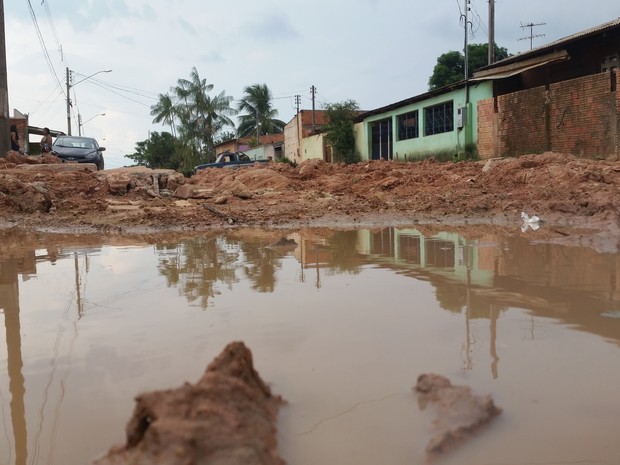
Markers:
(450, 67)
(164, 111)
(260, 115)
(158, 151)
(202, 116)
(339, 130)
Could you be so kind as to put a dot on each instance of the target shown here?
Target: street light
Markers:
(69, 85)
(82, 123)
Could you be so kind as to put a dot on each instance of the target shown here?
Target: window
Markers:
(408, 125)
(439, 118)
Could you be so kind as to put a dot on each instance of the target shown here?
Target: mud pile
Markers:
(459, 412)
(227, 417)
(559, 188)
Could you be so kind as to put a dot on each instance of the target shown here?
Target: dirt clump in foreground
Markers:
(459, 412)
(228, 417)
(559, 188)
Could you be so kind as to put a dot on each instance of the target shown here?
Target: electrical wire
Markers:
(44, 47)
(48, 13)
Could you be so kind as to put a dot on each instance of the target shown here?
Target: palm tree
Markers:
(261, 116)
(164, 111)
(202, 116)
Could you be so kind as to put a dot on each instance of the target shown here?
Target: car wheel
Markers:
(100, 164)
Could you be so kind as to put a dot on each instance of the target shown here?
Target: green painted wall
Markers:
(448, 145)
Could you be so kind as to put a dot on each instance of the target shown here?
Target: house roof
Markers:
(553, 46)
(517, 67)
(409, 101)
(40, 132)
(514, 64)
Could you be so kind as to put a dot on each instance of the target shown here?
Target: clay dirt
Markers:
(568, 193)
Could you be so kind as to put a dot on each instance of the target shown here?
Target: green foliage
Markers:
(196, 116)
(158, 151)
(292, 163)
(339, 130)
(224, 136)
(260, 115)
(450, 67)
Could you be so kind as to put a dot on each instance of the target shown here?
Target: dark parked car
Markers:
(72, 149)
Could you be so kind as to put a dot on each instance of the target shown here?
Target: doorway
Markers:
(381, 139)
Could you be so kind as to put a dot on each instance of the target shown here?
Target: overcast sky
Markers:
(375, 52)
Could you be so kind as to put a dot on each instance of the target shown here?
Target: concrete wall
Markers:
(312, 147)
(292, 149)
(445, 144)
(579, 116)
(257, 153)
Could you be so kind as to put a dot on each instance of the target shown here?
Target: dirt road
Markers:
(563, 190)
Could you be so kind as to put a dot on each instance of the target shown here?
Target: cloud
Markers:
(273, 28)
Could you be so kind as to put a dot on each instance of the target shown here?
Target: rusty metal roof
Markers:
(600, 29)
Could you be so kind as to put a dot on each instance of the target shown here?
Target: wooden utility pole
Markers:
(313, 91)
(68, 101)
(491, 32)
(465, 16)
(5, 135)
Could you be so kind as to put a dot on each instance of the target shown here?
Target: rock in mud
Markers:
(459, 412)
(226, 418)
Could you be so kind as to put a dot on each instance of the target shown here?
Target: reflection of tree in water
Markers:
(261, 265)
(344, 255)
(195, 265)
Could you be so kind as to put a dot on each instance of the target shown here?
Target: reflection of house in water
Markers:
(480, 278)
(445, 254)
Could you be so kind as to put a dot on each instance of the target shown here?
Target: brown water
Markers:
(340, 323)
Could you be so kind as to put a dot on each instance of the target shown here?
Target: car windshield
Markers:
(75, 142)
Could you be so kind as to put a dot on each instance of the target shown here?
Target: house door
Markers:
(381, 139)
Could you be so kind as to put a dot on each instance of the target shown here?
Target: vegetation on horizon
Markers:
(450, 67)
(198, 121)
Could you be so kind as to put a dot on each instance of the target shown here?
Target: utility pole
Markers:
(5, 136)
(532, 35)
(298, 102)
(257, 129)
(466, 52)
(68, 101)
(491, 32)
(69, 85)
(313, 91)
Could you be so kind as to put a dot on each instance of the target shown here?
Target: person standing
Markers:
(46, 141)
(14, 138)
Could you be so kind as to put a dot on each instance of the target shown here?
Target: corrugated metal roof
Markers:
(602, 28)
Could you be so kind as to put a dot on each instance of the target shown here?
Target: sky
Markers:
(375, 52)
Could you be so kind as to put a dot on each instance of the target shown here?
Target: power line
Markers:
(52, 26)
(43, 46)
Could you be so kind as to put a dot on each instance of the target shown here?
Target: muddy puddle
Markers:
(340, 323)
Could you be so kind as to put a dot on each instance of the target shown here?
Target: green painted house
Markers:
(441, 123)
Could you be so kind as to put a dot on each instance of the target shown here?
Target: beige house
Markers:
(302, 137)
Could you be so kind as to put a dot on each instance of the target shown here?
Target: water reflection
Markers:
(476, 277)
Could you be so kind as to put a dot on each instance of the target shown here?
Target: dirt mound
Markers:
(227, 417)
(459, 412)
(559, 188)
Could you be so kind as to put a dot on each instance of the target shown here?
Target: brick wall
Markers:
(579, 116)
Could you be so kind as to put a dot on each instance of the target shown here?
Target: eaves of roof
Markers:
(510, 69)
(553, 46)
(409, 101)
